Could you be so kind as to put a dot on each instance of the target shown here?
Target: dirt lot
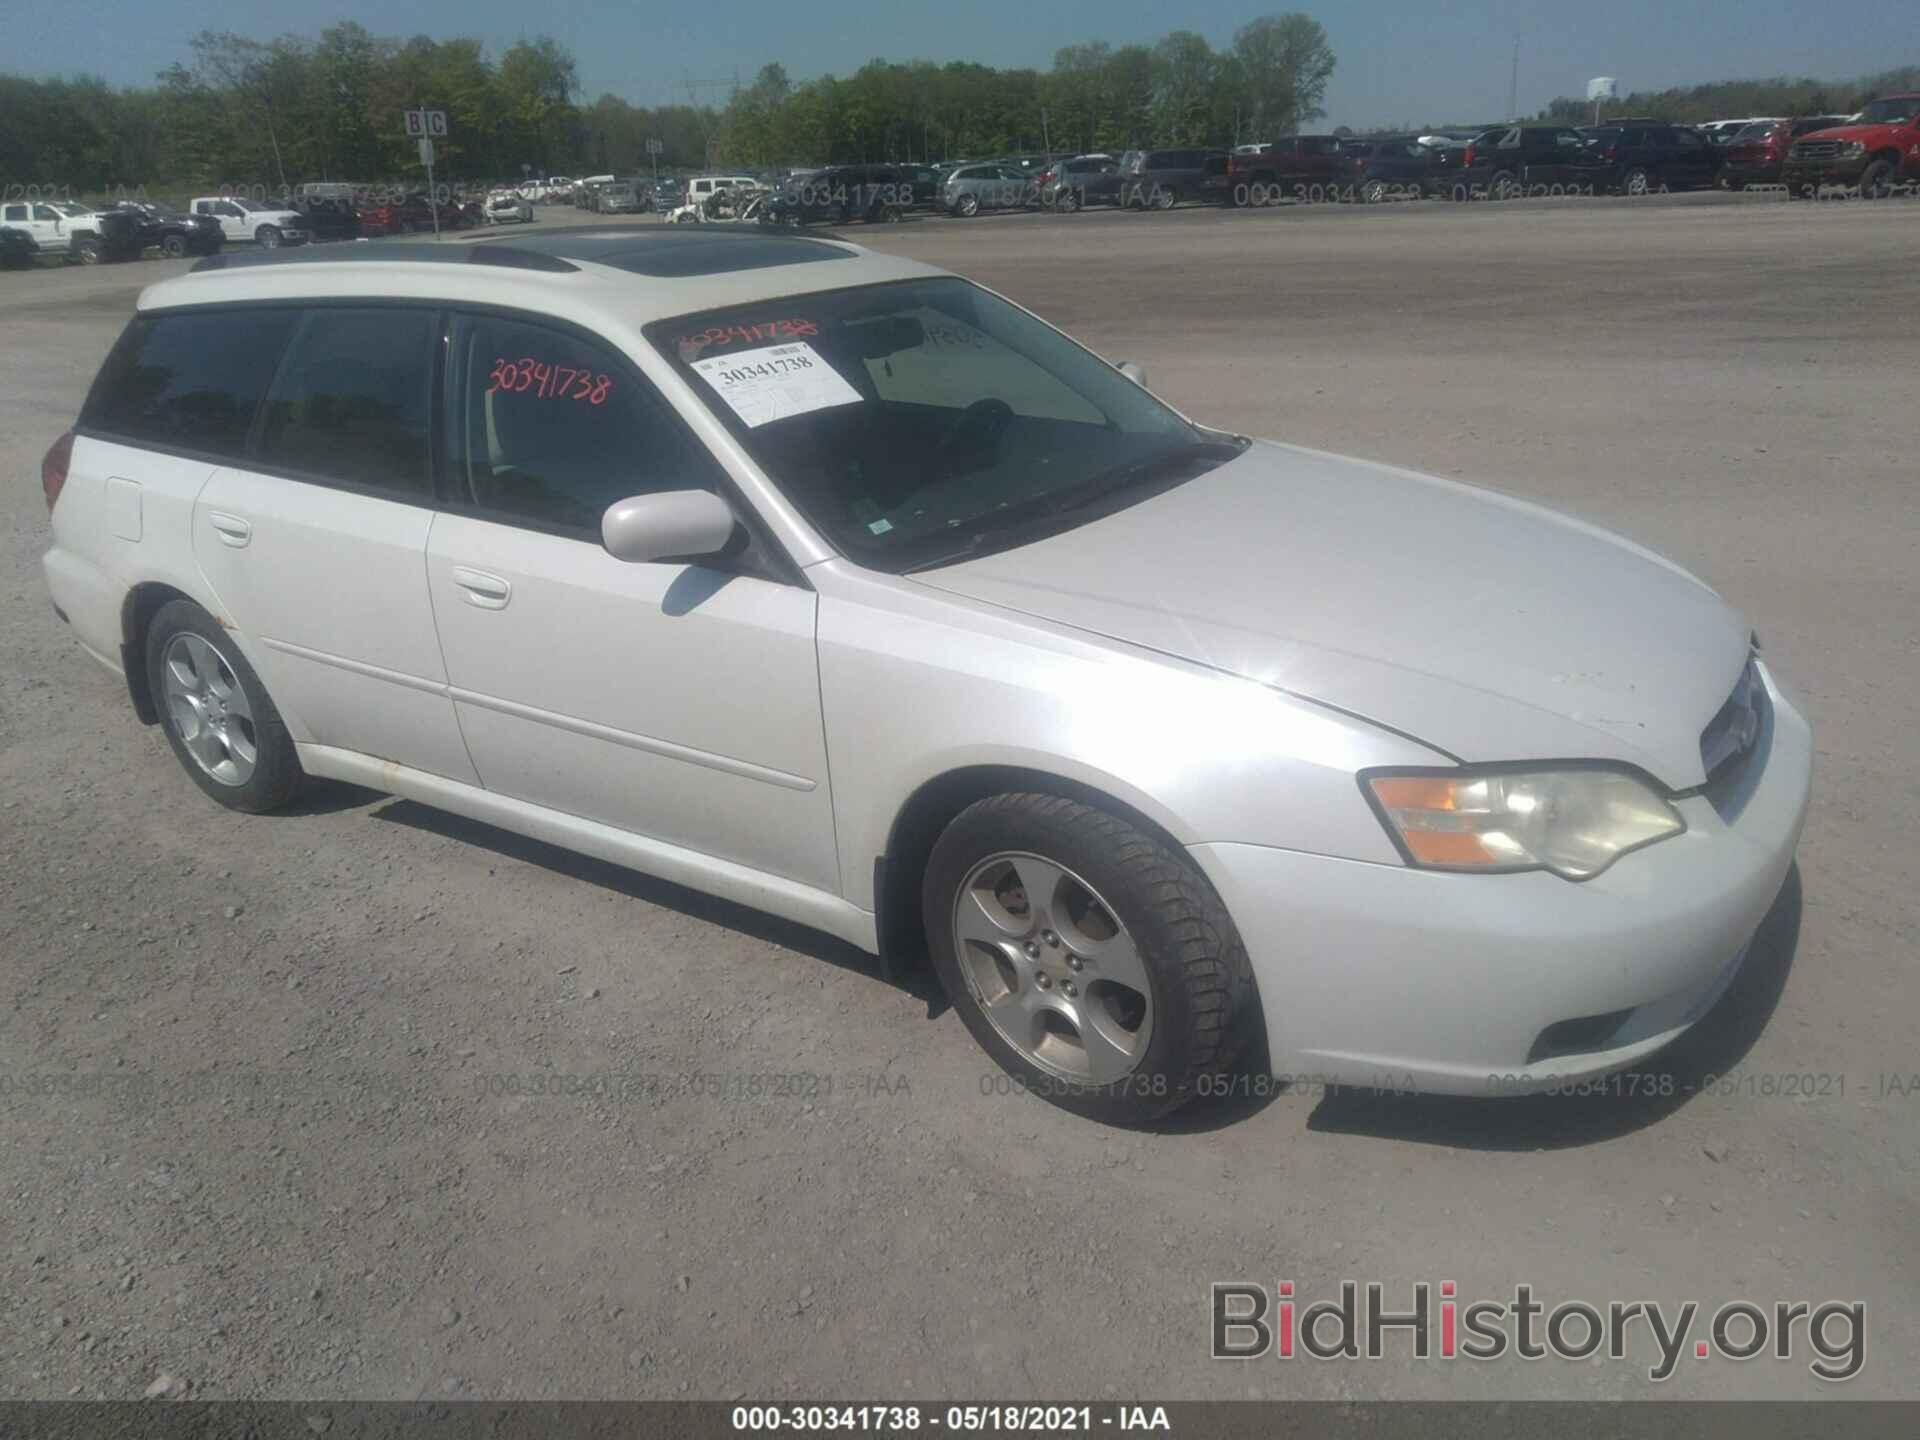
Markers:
(248, 1066)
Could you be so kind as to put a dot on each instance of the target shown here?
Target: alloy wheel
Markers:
(1053, 969)
(208, 709)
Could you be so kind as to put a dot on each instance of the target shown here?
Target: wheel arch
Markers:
(932, 807)
(137, 610)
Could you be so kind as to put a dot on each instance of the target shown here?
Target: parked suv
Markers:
(1067, 183)
(1639, 159)
(1757, 155)
(1161, 179)
(833, 584)
(1401, 169)
(1525, 159)
(994, 185)
(1876, 150)
(840, 195)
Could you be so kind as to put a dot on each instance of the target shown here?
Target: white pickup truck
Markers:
(50, 224)
(251, 220)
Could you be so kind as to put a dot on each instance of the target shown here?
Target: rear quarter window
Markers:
(189, 381)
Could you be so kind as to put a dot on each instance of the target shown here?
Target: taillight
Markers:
(53, 469)
(1467, 160)
(1613, 153)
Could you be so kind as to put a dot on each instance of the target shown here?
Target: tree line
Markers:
(1731, 99)
(248, 113)
(274, 113)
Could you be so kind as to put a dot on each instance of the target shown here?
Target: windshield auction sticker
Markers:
(776, 381)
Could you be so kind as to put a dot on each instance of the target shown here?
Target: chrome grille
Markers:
(1816, 150)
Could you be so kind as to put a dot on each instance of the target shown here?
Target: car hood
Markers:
(1482, 625)
(1868, 135)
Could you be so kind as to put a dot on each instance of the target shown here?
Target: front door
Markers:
(676, 700)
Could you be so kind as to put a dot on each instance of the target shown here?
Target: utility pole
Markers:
(1513, 85)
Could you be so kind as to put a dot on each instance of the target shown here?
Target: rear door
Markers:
(675, 700)
(315, 541)
(1695, 162)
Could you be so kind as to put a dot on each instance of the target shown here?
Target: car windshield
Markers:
(1759, 130)
(1890, 112)
(923, 421)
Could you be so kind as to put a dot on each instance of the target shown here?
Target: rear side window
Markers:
(550, 428)
(353, 399)
(190, 381)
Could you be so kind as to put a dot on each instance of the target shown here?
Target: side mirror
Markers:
(675, 524)
(1133, 372)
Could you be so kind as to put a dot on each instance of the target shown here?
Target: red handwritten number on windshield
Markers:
(795, 329)
(549, 381)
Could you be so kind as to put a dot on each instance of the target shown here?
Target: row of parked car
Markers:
(127, 230)
(1875, 150)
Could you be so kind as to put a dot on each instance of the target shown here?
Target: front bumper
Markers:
(1798, 173)
(1397, 978)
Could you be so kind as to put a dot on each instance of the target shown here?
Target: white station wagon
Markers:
(841, 587)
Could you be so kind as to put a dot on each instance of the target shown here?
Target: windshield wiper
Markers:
(1141, 472)
(1167, 464)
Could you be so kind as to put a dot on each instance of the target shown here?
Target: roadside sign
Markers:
(421, 123)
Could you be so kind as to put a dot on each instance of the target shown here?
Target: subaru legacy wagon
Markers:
(839, 586)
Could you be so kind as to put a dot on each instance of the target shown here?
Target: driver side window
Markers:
(548, 428)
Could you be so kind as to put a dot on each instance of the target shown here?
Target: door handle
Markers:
(489, 592)
(231, 529)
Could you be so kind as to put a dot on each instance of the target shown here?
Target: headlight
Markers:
(1574, 822)
(1852, 148)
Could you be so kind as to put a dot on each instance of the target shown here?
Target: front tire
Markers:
(1876, 181)
(218, 717)
(268, 236)
(1092, 961)
(1165, 197)
(173, 246)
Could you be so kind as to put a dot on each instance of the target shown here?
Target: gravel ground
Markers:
(256, 1073)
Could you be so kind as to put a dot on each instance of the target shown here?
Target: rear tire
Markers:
(217, 716)
(173, 246)
(1636, 182)
(967, 206)
(1165, 197)
(1110, 994)
(268, 236)
(87, 251)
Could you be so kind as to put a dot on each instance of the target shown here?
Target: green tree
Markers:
(1287, 63)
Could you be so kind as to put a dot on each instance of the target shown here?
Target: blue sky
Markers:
(1400, 60)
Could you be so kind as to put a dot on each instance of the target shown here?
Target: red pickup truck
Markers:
(1877, 150)
(1289, 169)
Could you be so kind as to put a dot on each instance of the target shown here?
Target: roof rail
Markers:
(496, 254)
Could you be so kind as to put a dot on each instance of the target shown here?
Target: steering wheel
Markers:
(979, 427)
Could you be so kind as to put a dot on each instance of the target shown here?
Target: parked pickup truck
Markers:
(1877, 150)
(173, 233)
(1289, 169)
(239, 219)
(75, 232)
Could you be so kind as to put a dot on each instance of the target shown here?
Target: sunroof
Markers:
(668, 253)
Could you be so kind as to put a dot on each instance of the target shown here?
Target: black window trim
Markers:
(779, 567)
